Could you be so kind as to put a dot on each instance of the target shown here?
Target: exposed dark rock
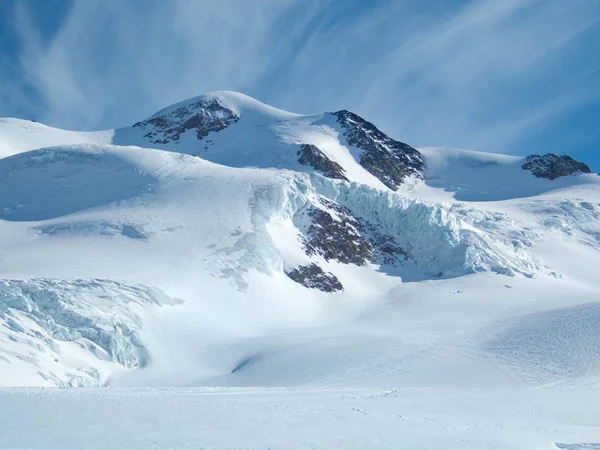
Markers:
(204, 116)
(311, 155)
(336, 238)
(553, 166)
(389, 160)
(336, 234)
(313, 277)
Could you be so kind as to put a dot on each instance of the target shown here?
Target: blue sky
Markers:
(510, 76)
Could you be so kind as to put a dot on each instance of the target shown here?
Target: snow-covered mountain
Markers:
(224, 241)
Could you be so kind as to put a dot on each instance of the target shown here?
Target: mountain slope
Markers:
(478, 176)
(223, 241)
(235, 130)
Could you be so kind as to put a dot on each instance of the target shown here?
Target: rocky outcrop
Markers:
(311, 155)
(203, 116)
(553, 166)
(389, 160)
(334, 234)
(337, 234)
(313, 277)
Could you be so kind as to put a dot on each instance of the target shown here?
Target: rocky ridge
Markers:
(330, 230)
(311, 155)
(389, 160)
(313, 277)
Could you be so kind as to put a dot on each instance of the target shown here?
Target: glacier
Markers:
(238, 274)
(204, 234)
(102, 317)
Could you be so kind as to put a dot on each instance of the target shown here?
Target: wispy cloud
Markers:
(112, 61)
(450, 77)
(482, 74)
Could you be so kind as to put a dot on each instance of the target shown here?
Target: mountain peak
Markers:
(202, 114)
(207, 113)
(236, 102)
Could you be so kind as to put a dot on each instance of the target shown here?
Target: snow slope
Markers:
(254, 135)
(255, 418)
(17, 136)
(194, 248)
(304, 282)
(477, 176)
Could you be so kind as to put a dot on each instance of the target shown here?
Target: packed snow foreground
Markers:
(312, 260)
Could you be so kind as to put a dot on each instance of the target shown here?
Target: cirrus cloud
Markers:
(485, 74)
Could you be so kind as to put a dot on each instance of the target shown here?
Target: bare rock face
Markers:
(203, 116)
(553, 166)
(313, 277)
(335, 235)
(332, 232)
(389, 160)
(311, 155)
